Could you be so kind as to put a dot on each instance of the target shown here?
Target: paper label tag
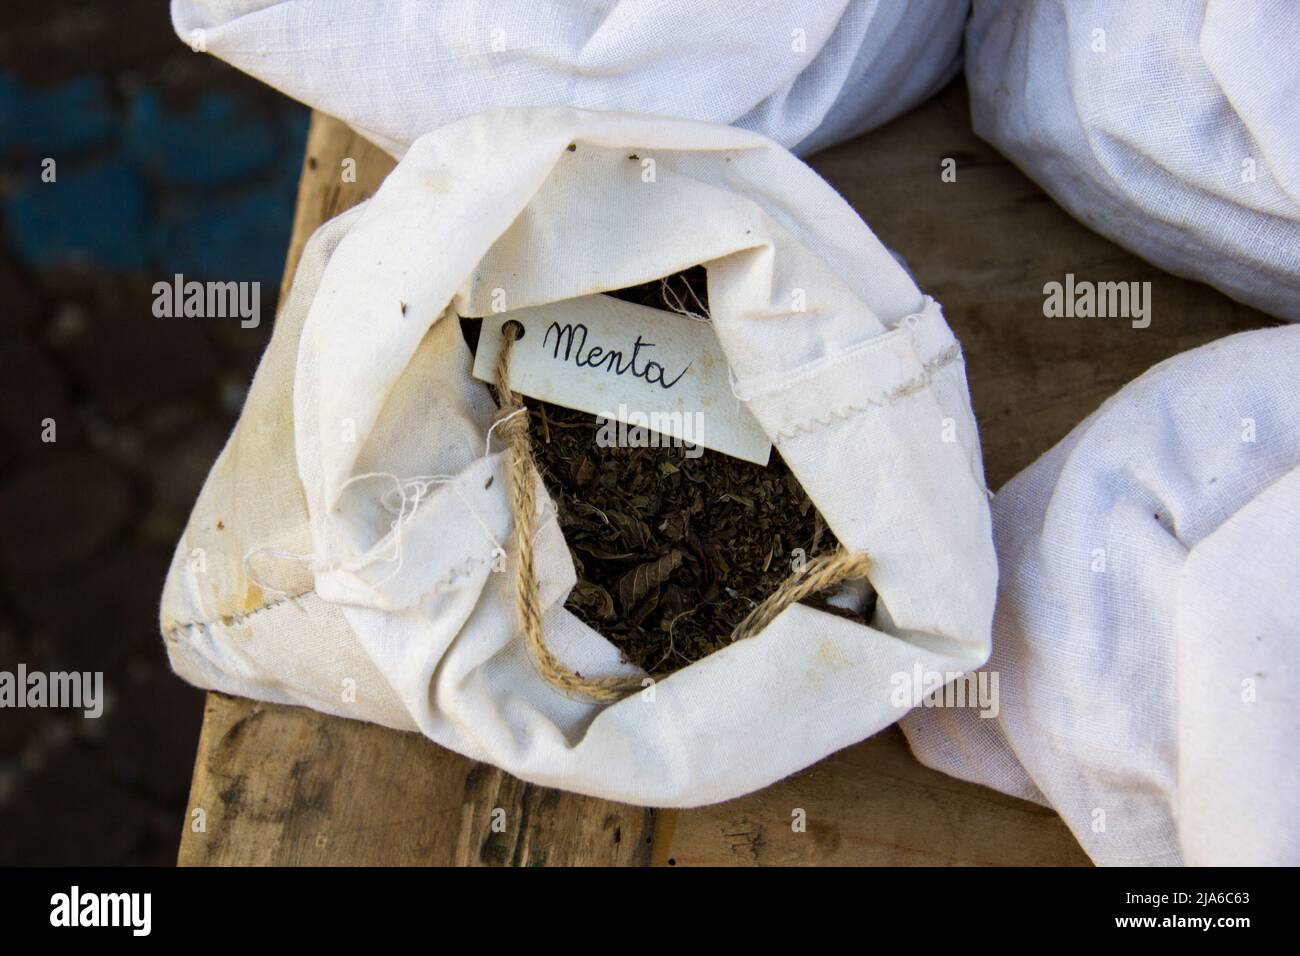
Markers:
(662, 375)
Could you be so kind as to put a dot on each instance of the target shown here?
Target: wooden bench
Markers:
(285, 785)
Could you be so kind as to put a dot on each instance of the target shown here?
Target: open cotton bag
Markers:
(303, 576)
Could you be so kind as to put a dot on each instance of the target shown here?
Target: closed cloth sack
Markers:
(806, 73)
(1171, 128)
(361, 486)
(1147, 634)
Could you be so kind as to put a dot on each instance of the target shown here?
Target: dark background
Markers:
(167, 161)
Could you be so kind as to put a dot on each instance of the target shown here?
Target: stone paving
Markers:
(166, 161)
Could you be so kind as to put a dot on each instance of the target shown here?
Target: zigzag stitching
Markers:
(845, 412)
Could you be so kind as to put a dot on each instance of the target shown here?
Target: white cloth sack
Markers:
(864, 393)
(806, 73)
(1171, 128)
(1147, 634)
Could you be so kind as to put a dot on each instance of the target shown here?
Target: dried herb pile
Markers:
(672, 552)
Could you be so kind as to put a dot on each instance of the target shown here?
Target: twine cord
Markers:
(820, 573)
(512, 427)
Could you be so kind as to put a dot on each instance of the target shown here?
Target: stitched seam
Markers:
(232, 620)
(810, 371)
(452, 575)
(845, 412)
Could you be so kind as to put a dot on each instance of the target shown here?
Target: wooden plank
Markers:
(339, 170)
(286, 785)
(868, 805)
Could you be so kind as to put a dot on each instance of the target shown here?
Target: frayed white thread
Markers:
(487, 447)
(734, 384)
(496, 545)
(423, 483)
(402, 501)
(674, 301)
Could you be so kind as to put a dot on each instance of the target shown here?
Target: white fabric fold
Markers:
(805, 73)
(1172, 129)
(1147, 633)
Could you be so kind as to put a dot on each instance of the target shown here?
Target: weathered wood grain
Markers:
(285, 785)
(288, 786)
(871, 804)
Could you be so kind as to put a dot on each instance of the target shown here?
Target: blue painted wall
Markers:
(207, 189)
